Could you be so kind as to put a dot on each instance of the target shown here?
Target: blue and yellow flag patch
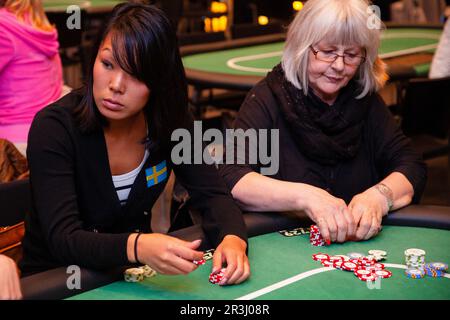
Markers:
(156, 174)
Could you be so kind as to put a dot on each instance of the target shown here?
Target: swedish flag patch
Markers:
(156, 174)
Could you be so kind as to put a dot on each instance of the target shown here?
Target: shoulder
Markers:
(259, 106)
(59, 112)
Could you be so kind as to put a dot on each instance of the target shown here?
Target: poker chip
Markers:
(376, 258)
(215, 278)
(327, 263)
(415, 258)
(343, 256)
(440, 266)
(414, 252)
(134, 275)
(355, 255)
(349, 266)
(315, 237)
(335, 258)
(369, 277)
(320, 256)
(199, 262)
(148, 271)
(383, 273)
(338, 264)
(434, 273)
(377, 252)
(362, 272)
(415, 273)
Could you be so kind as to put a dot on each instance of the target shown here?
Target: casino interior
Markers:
(227, 47)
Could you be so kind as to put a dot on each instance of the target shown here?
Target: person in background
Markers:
(440, 66)
(30, 67)
(342, 158)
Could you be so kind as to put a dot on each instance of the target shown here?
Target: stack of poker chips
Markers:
(364, 268)
(138, 274)
(215, 278)
(415, 263)
(436, 269)
(432, 269)
(199, 262)
(377, 255)
(315, 237)
(415, 258)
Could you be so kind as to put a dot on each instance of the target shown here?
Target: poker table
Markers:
(282, 266)
(92, 6)
(240, 64)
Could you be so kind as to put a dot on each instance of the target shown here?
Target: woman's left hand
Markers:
(368, 208)
(231, 252)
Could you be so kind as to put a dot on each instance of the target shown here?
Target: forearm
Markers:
(255, 192)
(402, 189)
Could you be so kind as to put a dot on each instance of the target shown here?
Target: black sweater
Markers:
(384, 149)
(76, 215)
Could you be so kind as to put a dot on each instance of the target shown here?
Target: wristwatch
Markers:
(387, 193)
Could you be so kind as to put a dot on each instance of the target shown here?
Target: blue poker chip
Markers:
(440, 266)
(415, 273)
(434, 273)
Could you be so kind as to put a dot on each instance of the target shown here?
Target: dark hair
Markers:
(144, 45)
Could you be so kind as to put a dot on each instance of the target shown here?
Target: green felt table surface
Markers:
(394, 41)
(275, 258)
(61, 5)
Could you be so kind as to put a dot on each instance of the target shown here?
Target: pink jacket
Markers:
(30, 74)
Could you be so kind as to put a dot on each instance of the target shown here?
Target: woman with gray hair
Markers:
(342, 158)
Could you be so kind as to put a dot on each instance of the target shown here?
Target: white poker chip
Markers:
(134, 275)
(355, 255)
(377, 252)
(414, 252)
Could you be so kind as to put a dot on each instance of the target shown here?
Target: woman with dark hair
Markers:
(100, 157)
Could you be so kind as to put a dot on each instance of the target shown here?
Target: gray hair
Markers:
(342, 21)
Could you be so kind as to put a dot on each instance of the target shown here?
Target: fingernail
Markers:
(223, 281)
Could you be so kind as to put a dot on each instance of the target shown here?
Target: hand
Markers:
(168, 255)
(9, 279)
(232, 252)
(368, 208)
(331, 214)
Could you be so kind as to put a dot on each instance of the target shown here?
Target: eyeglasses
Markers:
(331, 56)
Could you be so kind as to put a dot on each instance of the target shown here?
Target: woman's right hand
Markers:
(168, 255)
(331, 214)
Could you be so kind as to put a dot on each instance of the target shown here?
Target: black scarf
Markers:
(325, 134)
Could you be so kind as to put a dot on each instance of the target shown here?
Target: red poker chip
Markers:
(215, 278)
(320, 256)
(338, 264)
(369, 277)
(349, 266)
(362, 272)
(383, 273)
(379, 266)
(336, 258)
(327, 263)
(199, 262)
